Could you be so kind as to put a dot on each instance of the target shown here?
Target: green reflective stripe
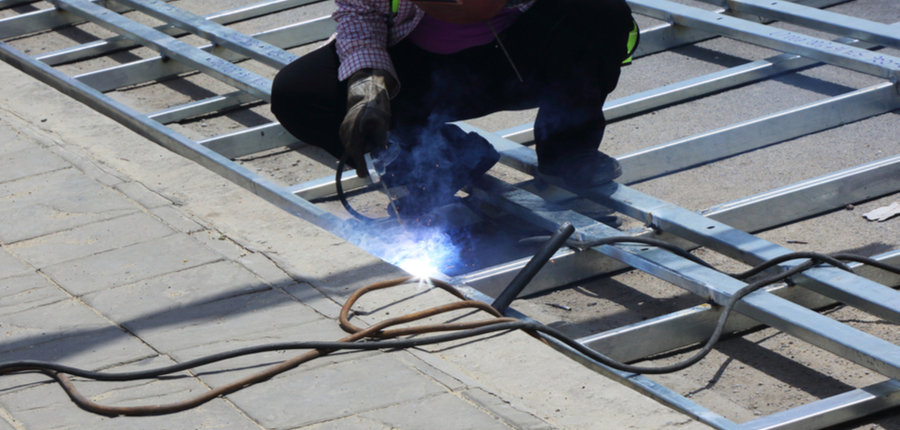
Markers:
(632, 42)
(395, 5)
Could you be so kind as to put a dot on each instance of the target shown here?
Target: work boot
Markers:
(433, 164)
(587, 170)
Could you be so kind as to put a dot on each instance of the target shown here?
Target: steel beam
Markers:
(159, 68)
(852, 290)
(691, 326)
(43, 20)
(173, 48)
(615, 110)
(236, 41)
(845, 341)
(811, 197)
(202, 107)
(5, 4)
(848, 57)
(249, 141)
(833, 410)
(759, 132)
(112, 44)
(823, 20)
(752, 214)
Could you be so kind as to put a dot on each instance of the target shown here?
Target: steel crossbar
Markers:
(723, 228)
(117, 43)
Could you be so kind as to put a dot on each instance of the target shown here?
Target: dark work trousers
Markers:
(569, 53)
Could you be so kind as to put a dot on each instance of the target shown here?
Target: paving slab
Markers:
(66, 332)
(27, 162)
(449, 409)
(48, 407)
(90, 239)
(165, 297)
(12, 140)
(11, 266)
(130, 264)
(47, 203)
(21, 293)
(142, 195)
(303, 398)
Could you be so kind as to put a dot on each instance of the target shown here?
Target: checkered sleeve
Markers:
(361, 35)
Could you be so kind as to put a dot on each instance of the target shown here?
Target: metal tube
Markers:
(171, 47)
(557, 240)
(112, 44)
(158, 68)
(837, 54)
(759, 132)
(217, 33)
(823, 20)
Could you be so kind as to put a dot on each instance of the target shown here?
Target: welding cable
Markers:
(459, 330)
(339, 187)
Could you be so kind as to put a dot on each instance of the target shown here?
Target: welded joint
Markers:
(652, 223)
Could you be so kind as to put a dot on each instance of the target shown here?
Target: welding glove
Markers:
(368, 118)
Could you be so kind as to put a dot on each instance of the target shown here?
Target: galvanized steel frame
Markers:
(724, 228)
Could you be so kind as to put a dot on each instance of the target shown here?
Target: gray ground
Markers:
(756, 374)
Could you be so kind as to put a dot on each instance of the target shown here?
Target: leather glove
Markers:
(368, 116)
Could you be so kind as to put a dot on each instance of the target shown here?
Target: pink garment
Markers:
(362, 32)
(441, 37)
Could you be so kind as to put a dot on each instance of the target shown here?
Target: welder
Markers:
(397, 72)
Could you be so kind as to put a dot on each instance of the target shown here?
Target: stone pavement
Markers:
(118, 255)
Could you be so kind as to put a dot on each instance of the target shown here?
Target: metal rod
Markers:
(823, 20)
(691, 326)
(113, 44)
(860, 60)
(757, 133)
(557, 240)
(42, 20)
(202, 107)
(5, 4)
(172, 48)
(833, 410)
(845, 341)
(217, 33)
(158, 68)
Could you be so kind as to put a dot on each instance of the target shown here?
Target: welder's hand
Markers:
(368, 118)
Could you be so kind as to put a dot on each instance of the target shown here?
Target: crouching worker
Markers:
(397, 72)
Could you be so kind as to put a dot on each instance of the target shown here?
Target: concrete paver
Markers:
(130, 264)
(438, 409)
(11, 266)
(55, 201)
(169, 294)
(90, 239)
(29, 162)
(24, 292)
(332, 392)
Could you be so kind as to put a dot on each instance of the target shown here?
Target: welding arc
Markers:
(379, 332)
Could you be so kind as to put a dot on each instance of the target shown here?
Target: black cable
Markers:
(340, 191)
(32, 365)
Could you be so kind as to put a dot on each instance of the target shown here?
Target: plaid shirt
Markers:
(362, 32)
